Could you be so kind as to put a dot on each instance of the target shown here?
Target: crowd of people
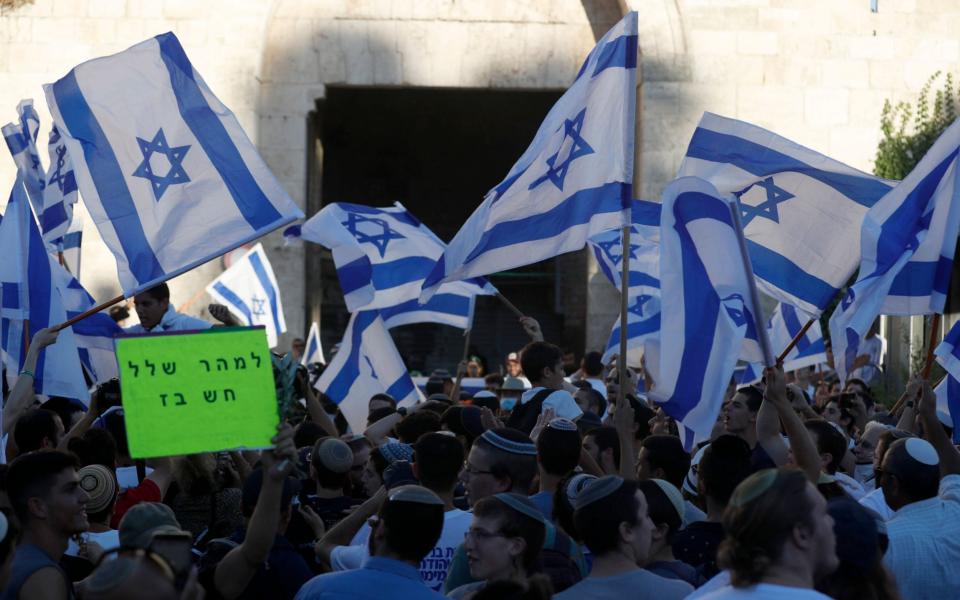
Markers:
(544, 484)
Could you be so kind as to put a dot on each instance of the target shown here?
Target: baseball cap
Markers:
(145, 520)
(513, 357)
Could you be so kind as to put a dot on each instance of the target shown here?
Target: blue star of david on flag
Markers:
(175, 155)
(637, 307)
(766, 209)
(59, 177)
(575, 148)
(258, 309)
(609, 247)
(379, 240)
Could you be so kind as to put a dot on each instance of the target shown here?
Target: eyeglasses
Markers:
(480, 535)
(471, 471)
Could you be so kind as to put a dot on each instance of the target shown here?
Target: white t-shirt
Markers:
(562, 403)
(127, 477)
(433, 567)
(877, 502)
(108, 540)
(763, 591)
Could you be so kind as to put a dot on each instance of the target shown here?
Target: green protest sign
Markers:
(205, 391)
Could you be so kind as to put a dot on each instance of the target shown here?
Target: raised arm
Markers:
(933, 431)
(908, 418)
(804, 450)
(343, 532)
(768, 432)
(236, 570)
(314, 407)
(21, 396)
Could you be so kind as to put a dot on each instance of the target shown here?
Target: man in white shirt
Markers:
(779, 539)
(156, 314)
(542, 364)
(920, 480)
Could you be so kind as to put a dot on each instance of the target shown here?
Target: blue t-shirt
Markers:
(544, 501)
(378, 578)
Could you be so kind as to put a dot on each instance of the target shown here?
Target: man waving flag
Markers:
(574, 181)
(165, 170)
(711, 316)
(801, 211)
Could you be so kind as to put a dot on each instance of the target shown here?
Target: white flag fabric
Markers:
(948, 352)
(801, 211)
(249, 289)
(21, 139)
(313, 351)
(643, 292)
(907, 244)
(574, 180)
(367, 363)
(784, 324)
(59, 195)
(30, 301)
(705, 325)
(382, 256)
(164, 168)
(94, 334)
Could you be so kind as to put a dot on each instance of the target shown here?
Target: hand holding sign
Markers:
(197, 392)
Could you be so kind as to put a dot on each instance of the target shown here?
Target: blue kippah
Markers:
(394, 451)
(598, 490)
(521, 504)
(498, 441)
(562, 424)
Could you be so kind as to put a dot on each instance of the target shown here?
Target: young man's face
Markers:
(64, 505)
(553, 379)
(149, 309)
(737, 416)
(513, 368)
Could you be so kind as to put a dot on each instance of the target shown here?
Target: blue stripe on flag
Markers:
(401, 271)
(16, 143)
(340, 386)
(786, 275)
(763, 160)
(790, 319)
(701, 302)
(311, 347)
(354, 275)
(108, 178)
(635, 330)
(621, 52)
(53, 216)
(914, 278)
(268, 288)
(10, 296)
(452, 304)
(645, 212)
(252, 203)
(577, 209)
(400, 388)
(953, 405)
(40, 291)
(235, 300)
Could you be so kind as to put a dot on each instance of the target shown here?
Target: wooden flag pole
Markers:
(624, 302)
(455, 394)
(928, 362)
(26, 336)
(509, 305)
(796, 339)
(192, 299)
(88, 312)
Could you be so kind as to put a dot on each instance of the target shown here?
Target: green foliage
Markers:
(909, 131)
(284, 377)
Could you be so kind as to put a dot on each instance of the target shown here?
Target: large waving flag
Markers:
(784, 324)
(313, 351)
(706, 323)
(249, 289)
(21, 139)
(643, 293)
(60, 193)
(382, 256)
(907, 245)
(801, 211)
(574, 181)
(31, 301)
(367, 363)
(165, 170)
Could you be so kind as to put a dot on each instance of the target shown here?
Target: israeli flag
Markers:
(948, 402)
(31, 301)
(707, 323)
(95, 333)
(382, 256)
(367, 363)
(573, 182)
(313, 353)
(21, 139)
(643, 293)
(59, 194)
(801, 211)
(948, 352)
(907, 244)
(784, 324)
(72, 240)
(249, 289)
(165, 170)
